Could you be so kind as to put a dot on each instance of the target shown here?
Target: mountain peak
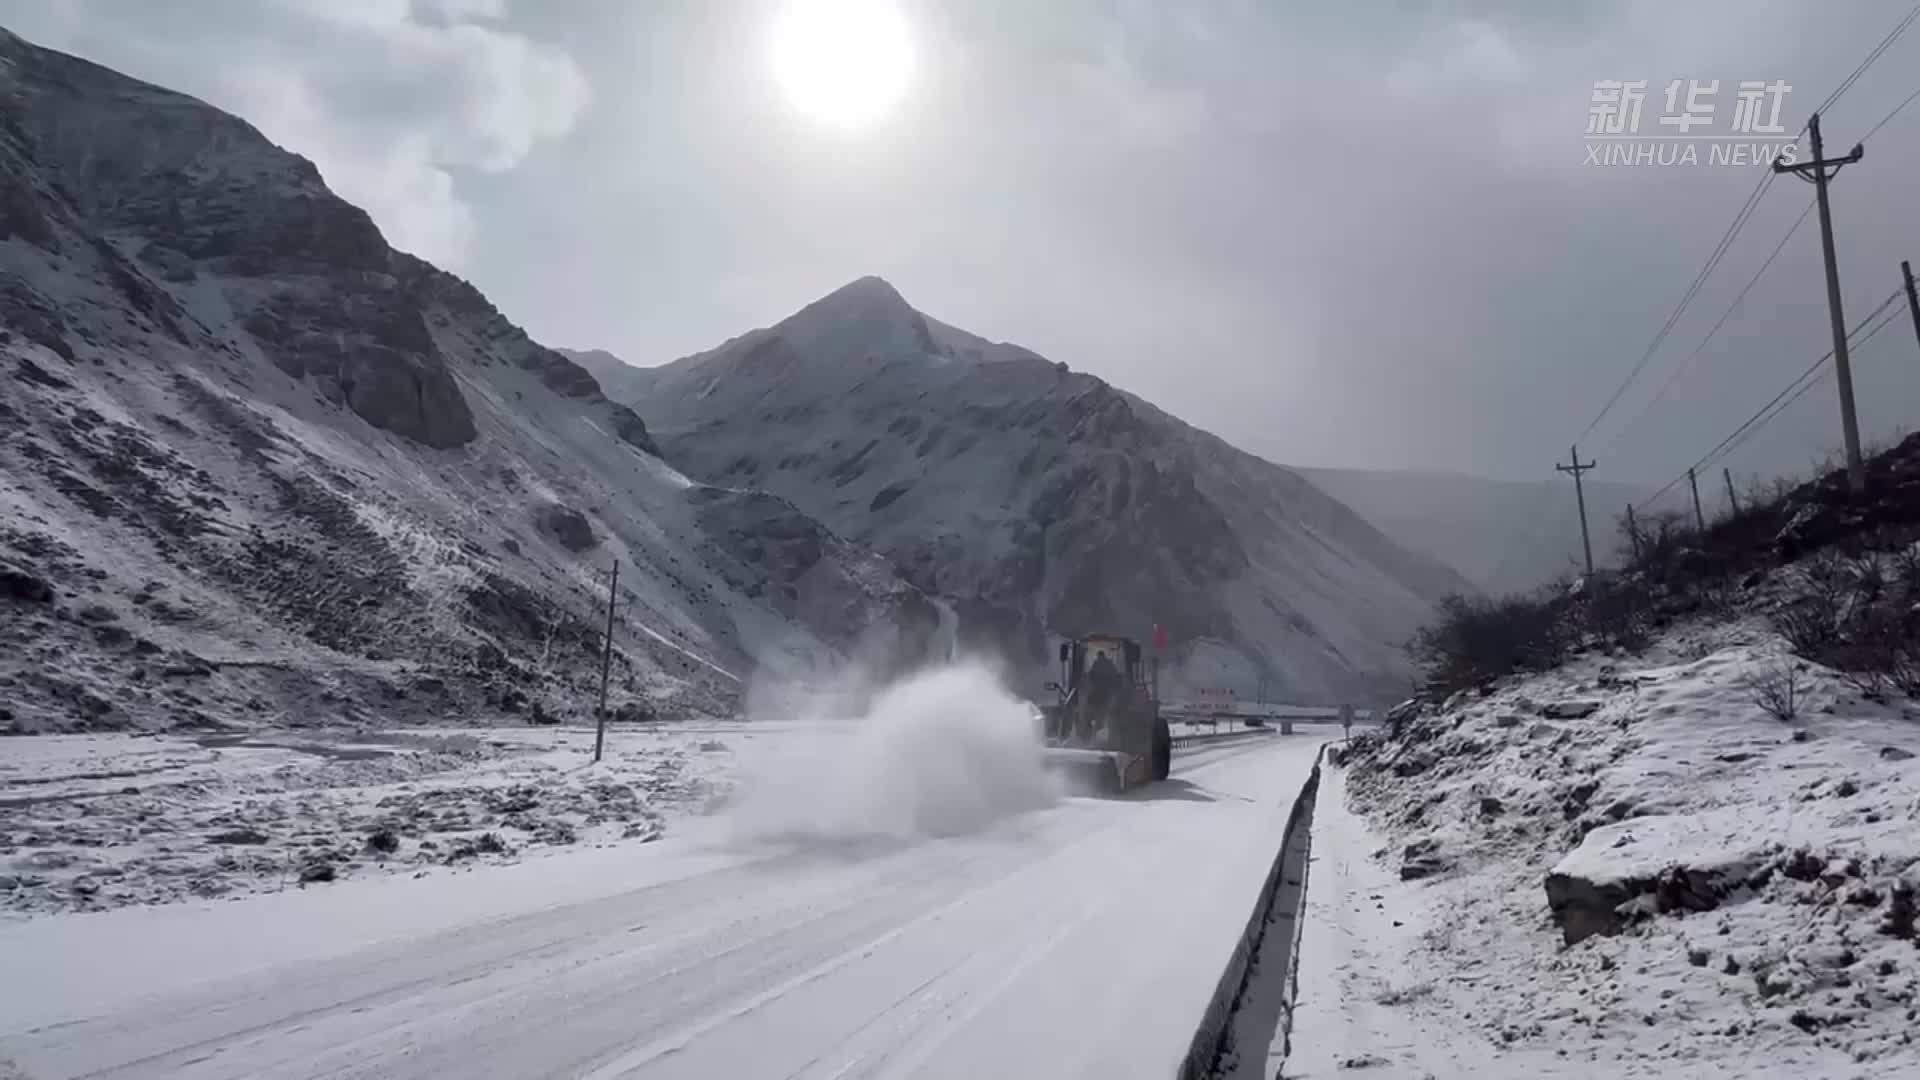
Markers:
(863, 297)
(866, 316)
(869, 288)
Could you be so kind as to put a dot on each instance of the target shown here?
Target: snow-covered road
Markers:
(1083, 939)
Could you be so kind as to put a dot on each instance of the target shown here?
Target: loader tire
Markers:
(1162, 749)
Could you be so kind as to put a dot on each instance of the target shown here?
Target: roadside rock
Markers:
(98, 614)
(238, 836)
(1421, 859)
(1424, 867)
(1584, 906)
(632, 712)
(22, 587)
(1632, 870)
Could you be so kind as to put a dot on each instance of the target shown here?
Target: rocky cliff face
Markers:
(256, 466)
(1041, 501)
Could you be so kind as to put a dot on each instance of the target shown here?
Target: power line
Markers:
(1885, 43)
(1739, 222)
(1896, 112)
(1673, 318)
(1804, 381)
(1687, 363)
(1764, 415)
(1804, 387)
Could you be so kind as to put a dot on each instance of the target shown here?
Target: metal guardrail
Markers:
(1239, 709)
(1222, 736)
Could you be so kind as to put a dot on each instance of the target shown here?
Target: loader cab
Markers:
(1078, 659)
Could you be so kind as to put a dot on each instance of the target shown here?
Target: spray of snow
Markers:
(941, 752)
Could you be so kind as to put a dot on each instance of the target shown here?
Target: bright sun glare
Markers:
(842, 63)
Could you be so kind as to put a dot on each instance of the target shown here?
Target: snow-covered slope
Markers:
(1623, 867)
(1503, 535)
(1040, 500)
(255, 465)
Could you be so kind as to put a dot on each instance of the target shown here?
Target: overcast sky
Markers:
(1335, 233)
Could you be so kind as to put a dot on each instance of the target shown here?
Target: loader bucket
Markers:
(1093, 771)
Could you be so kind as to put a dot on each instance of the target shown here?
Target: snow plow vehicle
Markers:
(1106, 727)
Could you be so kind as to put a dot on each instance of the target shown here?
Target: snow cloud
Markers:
(392, 99)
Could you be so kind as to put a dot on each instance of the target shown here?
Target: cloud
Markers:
(391, 99)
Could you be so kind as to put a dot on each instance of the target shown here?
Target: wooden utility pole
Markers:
(1733, 501)
(1913, 300)
(1633, 532)
(1580, 496)
(1699, 519)
(1818, 172)
(606, 666)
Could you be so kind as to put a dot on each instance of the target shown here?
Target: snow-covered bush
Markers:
(1777, 689)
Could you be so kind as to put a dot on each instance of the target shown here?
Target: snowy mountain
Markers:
(1503, 535)
(256, 465)
(1041, 501)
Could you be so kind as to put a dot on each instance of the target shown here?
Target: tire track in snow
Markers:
(488, 963)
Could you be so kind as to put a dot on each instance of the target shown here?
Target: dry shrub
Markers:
(1777, 689)
(1475, 640)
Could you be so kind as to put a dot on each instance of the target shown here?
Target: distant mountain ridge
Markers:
(257, 466)
(1041, 501)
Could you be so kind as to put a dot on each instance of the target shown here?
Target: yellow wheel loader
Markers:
(1107, 726)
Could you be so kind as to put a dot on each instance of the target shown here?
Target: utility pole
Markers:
(1913, 300)
(1733, 501)
(1699, 519)
(1818, 172)
(1580, 496)
(1633, 532)
(606, 666)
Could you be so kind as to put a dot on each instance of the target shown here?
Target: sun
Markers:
(841, 63)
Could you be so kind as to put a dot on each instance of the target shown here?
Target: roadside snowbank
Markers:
(100, 821)
(1727, 890)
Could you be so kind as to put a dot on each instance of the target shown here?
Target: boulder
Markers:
(241, 835)
(408, 394)
(1424, 867)
(98, 613)
(1648, 866)
(1569, 710)
(22, 587)
(1421, 859)
(567, 527)
(633, 712)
